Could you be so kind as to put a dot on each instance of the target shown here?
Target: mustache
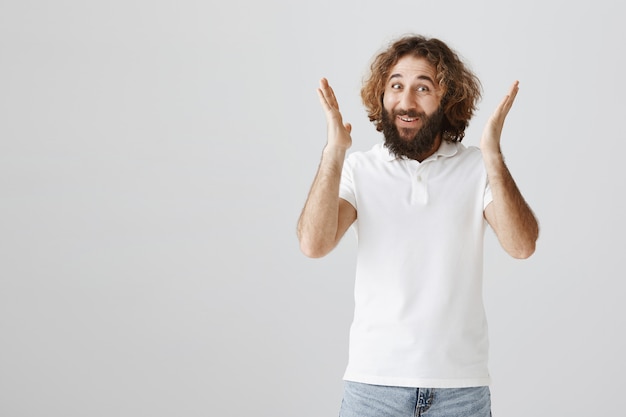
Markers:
(409, 113)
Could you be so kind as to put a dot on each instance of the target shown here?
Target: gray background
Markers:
(154, 158)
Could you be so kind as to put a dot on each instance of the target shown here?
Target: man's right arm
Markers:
(326, 217)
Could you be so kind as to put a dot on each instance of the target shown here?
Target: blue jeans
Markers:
(364, 400)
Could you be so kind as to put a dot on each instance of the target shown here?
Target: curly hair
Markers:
(461, 89)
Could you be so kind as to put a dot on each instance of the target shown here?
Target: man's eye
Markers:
(422, 89)
(396, 86)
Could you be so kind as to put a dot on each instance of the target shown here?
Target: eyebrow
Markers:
(419, 77)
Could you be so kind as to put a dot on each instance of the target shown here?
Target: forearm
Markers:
(511, 217)
(318, 223)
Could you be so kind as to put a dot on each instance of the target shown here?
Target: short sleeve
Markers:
(346, 185)
(487, 197)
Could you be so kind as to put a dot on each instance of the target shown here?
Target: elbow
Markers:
(522, 254)
(313, 249)
(312, 245)
(312, 252)
(522, 245)
(522, 251)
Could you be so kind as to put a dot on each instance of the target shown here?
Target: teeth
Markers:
(408, 119)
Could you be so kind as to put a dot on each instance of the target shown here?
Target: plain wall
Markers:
(154, 159)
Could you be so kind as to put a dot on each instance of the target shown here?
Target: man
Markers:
(419, 204)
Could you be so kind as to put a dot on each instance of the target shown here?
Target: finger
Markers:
(329, 94)
(323, 100)
(512, 93)
(507, 102)
(325, 94)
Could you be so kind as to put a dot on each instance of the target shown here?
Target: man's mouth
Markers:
(407, 121)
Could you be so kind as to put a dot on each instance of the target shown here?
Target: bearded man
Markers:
(419, 203)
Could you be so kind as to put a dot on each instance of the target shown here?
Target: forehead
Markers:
(410, 66)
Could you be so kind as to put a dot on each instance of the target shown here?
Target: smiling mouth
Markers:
(407, 119)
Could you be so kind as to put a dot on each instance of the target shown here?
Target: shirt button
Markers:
(419, 178)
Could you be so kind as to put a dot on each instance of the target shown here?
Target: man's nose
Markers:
(407, 101)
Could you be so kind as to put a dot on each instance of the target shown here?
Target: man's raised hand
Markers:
(490, 141)
(338, 131)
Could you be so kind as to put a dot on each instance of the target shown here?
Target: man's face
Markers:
(412, 116)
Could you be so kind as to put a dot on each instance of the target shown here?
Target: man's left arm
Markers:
(508, 214)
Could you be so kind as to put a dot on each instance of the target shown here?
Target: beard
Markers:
(408, 142)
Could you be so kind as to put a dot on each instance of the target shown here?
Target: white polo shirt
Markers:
(419, 319)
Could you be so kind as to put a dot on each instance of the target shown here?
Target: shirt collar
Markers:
(446, 149)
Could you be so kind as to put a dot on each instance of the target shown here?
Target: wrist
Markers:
(493, 156)
(334, 151)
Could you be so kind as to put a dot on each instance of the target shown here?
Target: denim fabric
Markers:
(364, 400)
